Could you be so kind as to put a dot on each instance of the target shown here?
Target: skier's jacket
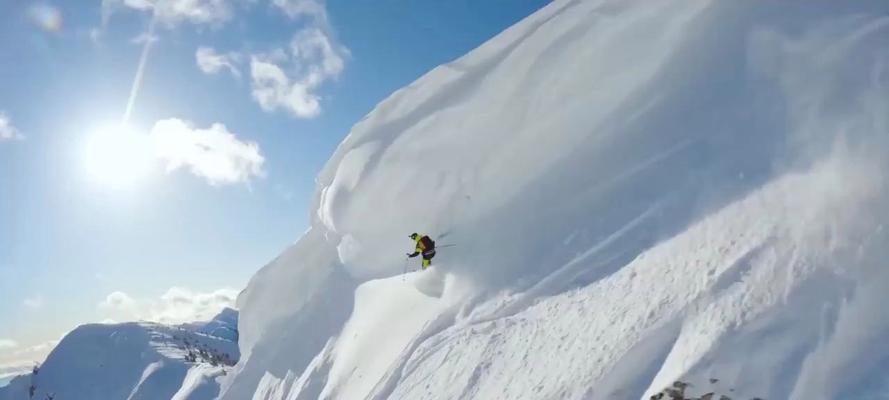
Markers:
(425, 245)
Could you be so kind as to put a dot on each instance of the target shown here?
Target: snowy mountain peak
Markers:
(224, 325)
(129, 361)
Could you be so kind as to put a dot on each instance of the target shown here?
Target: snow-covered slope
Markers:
(224, 325)
(131, 361)
(639, 193)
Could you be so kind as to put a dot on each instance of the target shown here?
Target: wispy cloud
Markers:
(7, 130)
(290, 78)
(214, 154)
(177, 305)
(35, 301)
(14, 369)
(8, 344)
(117, 301)
(174, 12)
(38, 349)
(273, 89)
(211, 62)
(296, 8)
(283, 78)
(16, 358)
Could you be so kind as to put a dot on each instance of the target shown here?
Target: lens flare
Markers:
(46, 17)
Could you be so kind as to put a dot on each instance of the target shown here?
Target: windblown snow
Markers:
(638, 193)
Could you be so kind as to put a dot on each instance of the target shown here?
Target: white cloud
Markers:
(195, 11)
(177, 305)
(34, 302)
(211, 62)
(173, 12)
(282, 78)
(38, 349)
(297, 8)
(15, 369)
(288, 79)
(139, 4)
(273, 89)
(8, 344)
(214, 154)
(285, 78)
(7, 130)
(183, 305)
(17, 358)
(117, 301)
(317, 55)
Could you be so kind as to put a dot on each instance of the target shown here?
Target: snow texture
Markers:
(224, 325)
(130, 361)
(638, 192)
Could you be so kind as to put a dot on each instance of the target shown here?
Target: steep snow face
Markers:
(736, 296)
(637, 192)
(129, 361)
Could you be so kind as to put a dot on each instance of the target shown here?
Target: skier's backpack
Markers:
(428, 243)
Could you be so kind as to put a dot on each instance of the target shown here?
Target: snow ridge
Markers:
(131, 361)
(639, 194)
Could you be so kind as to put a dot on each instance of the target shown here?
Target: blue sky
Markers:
(166, 211)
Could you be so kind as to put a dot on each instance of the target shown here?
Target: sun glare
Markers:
(117, 156)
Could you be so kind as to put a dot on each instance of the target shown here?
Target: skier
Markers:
(425, 246)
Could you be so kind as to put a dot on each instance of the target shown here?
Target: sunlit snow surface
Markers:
(639, 192)
(130, 361)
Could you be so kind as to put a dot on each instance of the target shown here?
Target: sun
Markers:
(117, 156)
